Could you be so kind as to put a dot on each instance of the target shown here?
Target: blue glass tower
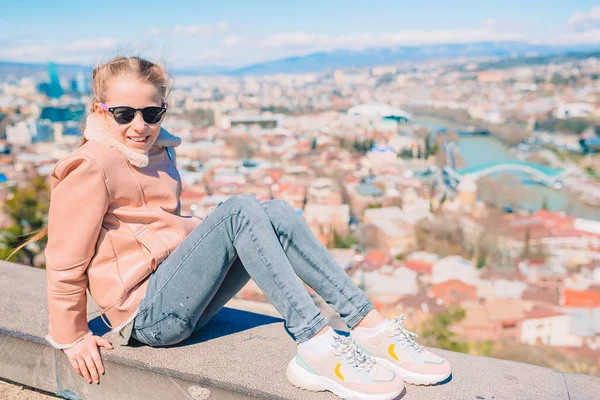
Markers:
(55, 91)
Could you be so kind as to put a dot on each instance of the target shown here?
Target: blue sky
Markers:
(235, 33)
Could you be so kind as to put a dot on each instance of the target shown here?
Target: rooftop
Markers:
(238, 355)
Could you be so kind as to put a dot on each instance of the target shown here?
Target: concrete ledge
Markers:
(238, 355)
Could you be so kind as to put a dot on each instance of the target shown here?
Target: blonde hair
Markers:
(135, 67)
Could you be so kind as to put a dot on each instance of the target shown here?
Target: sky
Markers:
(237, 33)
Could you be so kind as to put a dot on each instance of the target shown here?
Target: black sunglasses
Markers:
(124, 115)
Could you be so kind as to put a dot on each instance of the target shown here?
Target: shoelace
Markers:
(406, 337)
(348, 349)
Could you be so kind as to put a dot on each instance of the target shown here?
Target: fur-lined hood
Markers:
(97, 130)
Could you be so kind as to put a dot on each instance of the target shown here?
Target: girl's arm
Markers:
(78, 202)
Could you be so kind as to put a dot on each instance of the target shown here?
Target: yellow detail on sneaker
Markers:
(391, 351)
(337, 371)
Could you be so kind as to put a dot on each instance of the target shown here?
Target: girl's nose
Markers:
(138, 123)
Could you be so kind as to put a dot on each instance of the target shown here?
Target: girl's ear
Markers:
(99, 111)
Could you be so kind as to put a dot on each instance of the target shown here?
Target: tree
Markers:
(431, 148)
(480, 259)
(526, 245)
(340, 242)
(505, 190)
(363, 146)
(27, 207)
(201, 117)
(436, 330)
(405, 153)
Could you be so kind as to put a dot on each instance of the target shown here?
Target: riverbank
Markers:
(479, 150)
(509, 133)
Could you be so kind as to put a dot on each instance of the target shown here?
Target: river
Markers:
(479, 150)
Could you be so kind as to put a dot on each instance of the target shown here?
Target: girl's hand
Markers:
(85, 358)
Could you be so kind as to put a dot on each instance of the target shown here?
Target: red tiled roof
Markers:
(275, 174)
(452, 284)
(539, 225)
(595, 287)
(581, 298)
(416, 301)
(377, 257)
(539, 313)
(510, 275)
(453, 291)
(540, 295)
(419, 266)
(573, 233)
(189, 195)
(553, 219)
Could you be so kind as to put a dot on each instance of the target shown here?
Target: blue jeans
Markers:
(239, 240)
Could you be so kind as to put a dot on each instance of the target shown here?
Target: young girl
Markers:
(115, 229)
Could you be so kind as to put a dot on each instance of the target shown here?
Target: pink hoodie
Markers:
(114, 216)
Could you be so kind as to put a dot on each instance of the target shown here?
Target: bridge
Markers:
(547, 175)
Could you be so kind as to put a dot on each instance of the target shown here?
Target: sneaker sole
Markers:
(303, 379)
(412, 377)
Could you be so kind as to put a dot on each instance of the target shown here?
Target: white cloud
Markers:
(584, 21)
(63, 50)
(490, 23)
(89, 45)
(154, 31)
(192, 30)
(571, 38)
(581, 28)
(307, 41)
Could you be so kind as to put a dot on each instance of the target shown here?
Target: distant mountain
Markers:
(9, 66)
(202, 70)
(19, 69)
(22, 69)
(44, 66)
(343, 59)
(377, 56)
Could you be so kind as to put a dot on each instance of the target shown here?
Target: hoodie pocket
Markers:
(153, 246)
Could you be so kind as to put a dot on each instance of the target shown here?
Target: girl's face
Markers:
(127, 91)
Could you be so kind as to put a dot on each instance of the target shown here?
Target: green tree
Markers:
(431, 147)
(27, 207)
(545, 205)
(405, 153)
(340, 242)
(436, 330)
(526, 245)
(480, 260)
(363, 146)
(483, 349)
(201, 117)
(574, 125)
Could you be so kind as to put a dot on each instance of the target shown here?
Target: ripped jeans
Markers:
(239, 240)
